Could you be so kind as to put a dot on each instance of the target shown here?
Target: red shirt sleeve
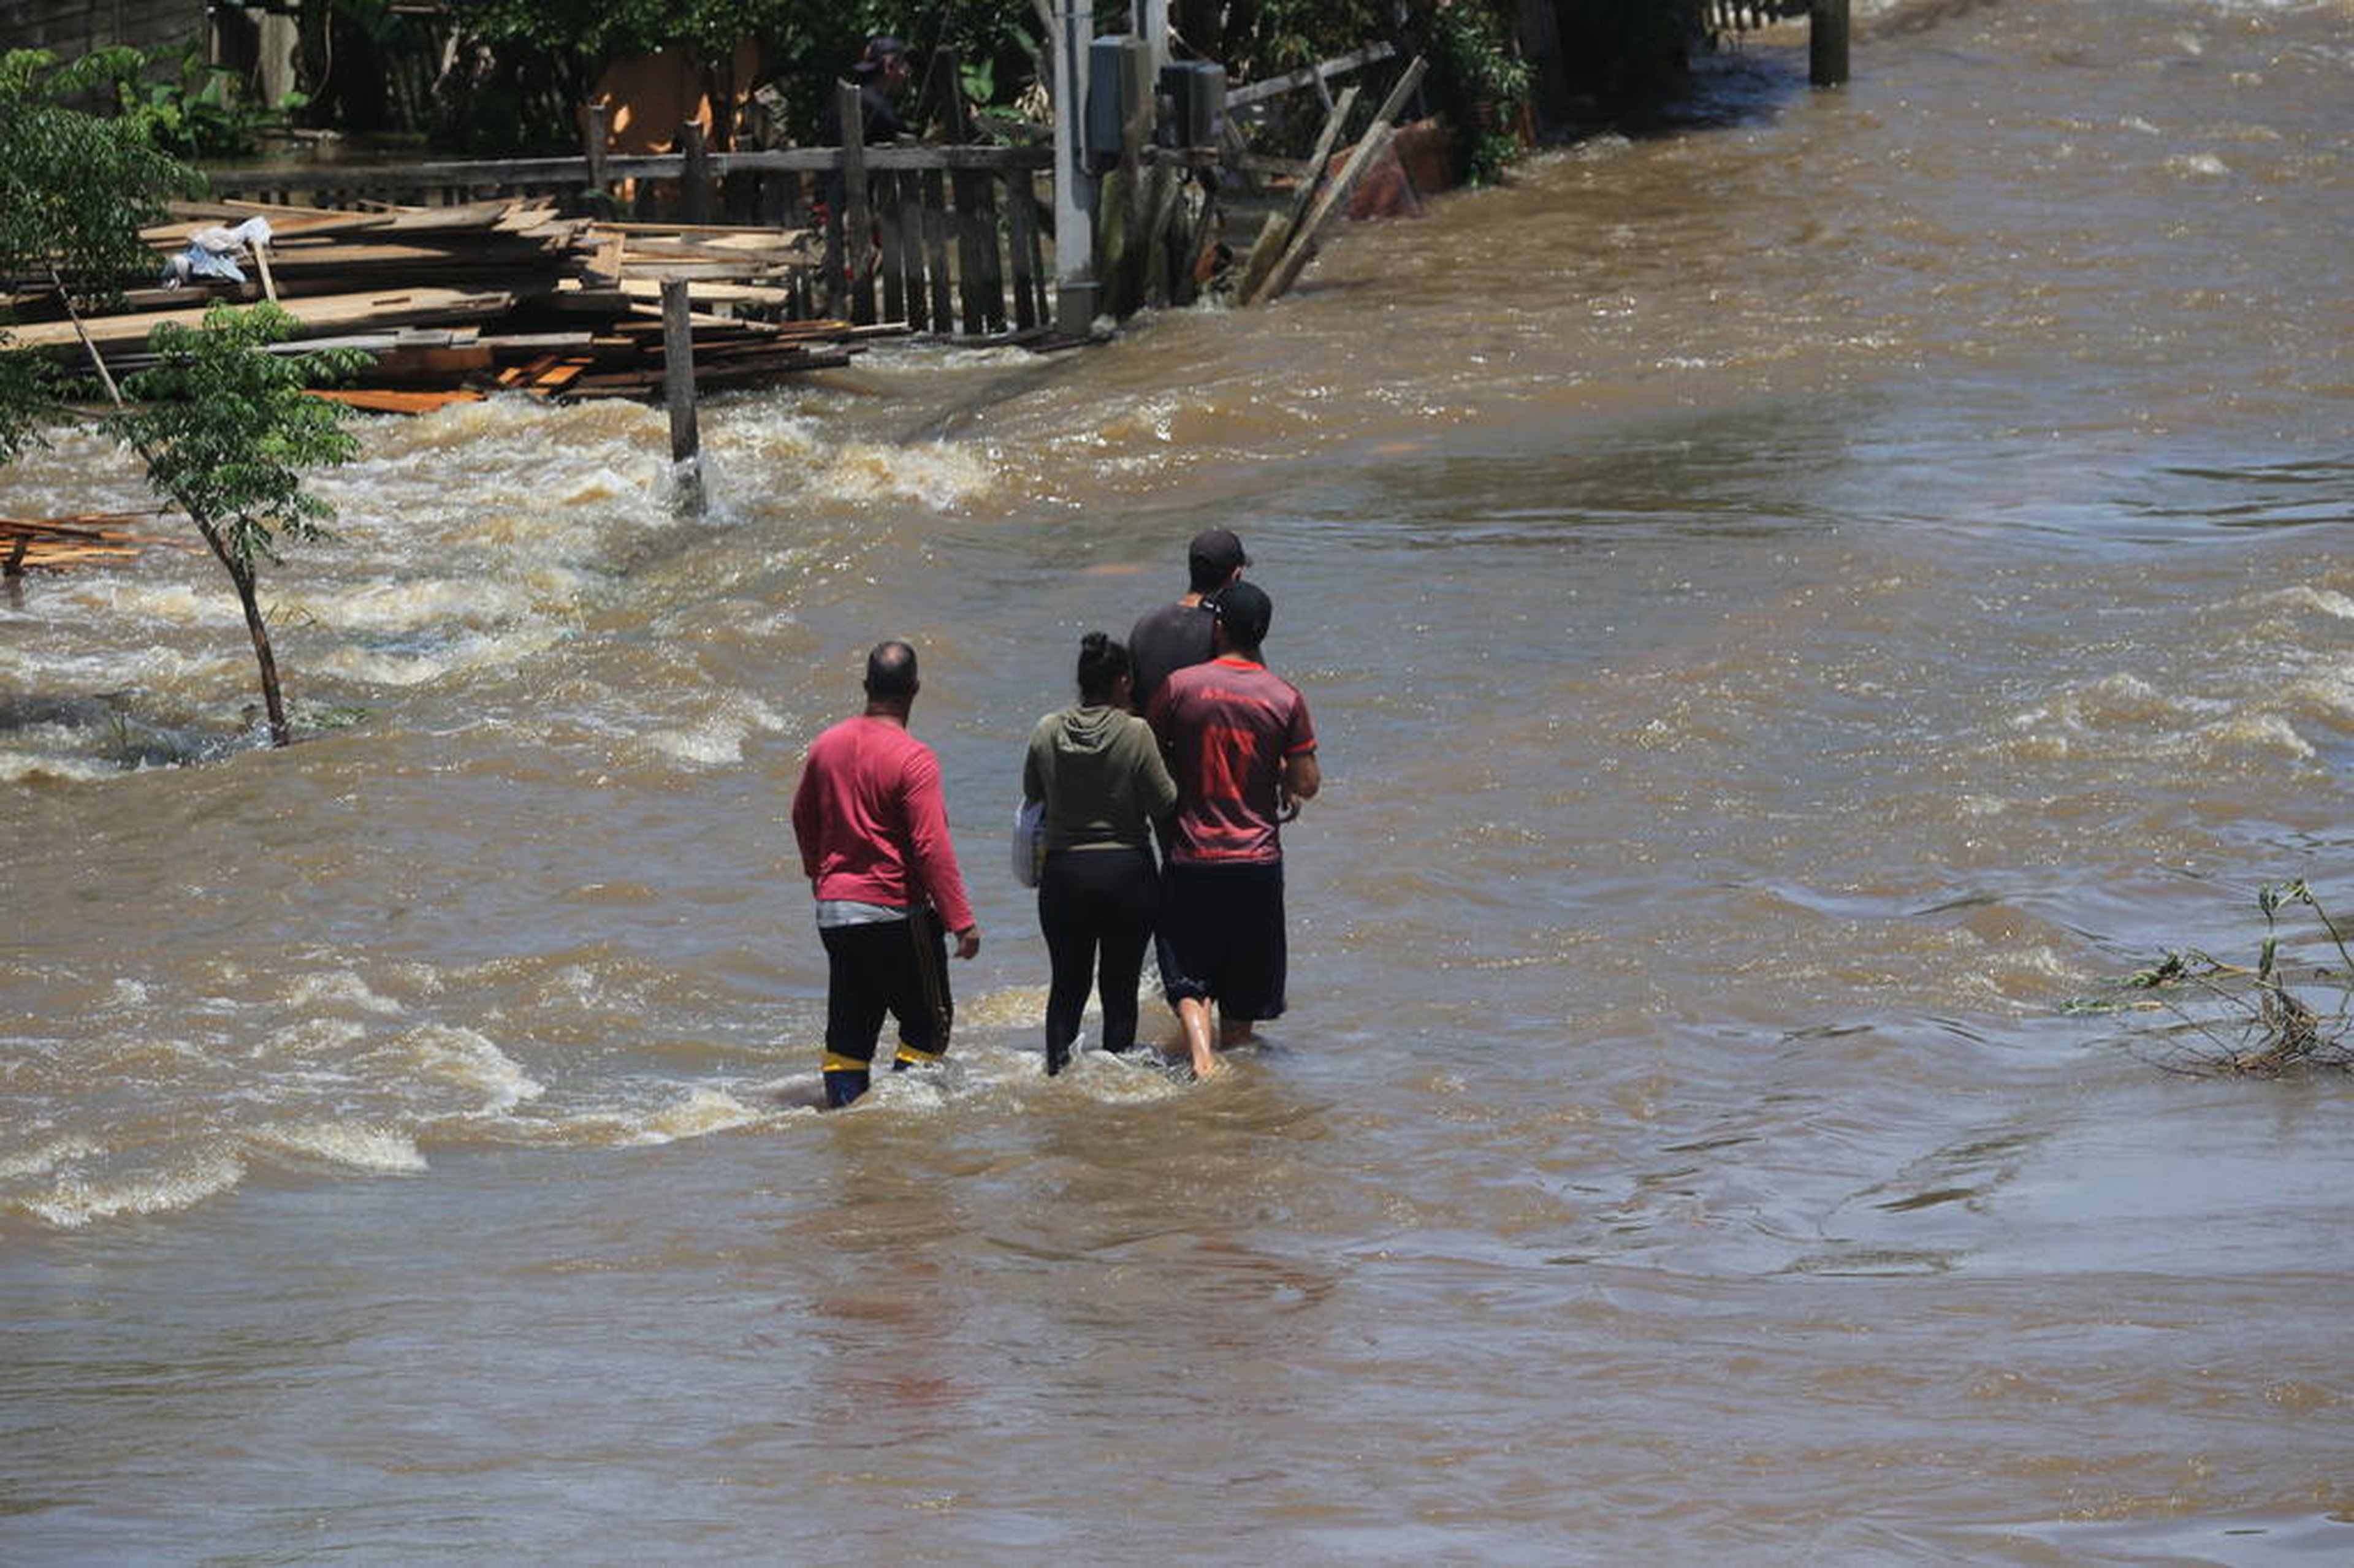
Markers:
(927, 835)
(805, 821)
(1300, 735)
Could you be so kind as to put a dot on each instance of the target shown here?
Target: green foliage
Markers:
(1277, 36)
(75, 190)
(226, 429)
(25, 395)
(615, 26)
(190, 107)
(807, 47)
(1478, 78)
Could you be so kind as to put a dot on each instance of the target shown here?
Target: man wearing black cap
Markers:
(881, 71)
(1243, 750)
(1178, 634)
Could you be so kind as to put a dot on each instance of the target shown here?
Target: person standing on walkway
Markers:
(1243, 750)
(1098, 770)
(872, 827)
(1178, 634)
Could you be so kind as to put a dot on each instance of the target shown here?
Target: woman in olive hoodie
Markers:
(1098, 769)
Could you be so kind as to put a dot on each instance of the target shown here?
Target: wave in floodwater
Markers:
(322, 1072)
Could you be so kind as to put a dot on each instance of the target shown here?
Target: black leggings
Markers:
(1095, 908)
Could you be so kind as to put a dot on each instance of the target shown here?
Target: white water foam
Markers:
(76, 1200)
(469, 1061)
(340, 987)
(357, 1146)
(716, 740)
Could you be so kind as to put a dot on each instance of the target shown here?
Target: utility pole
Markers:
(1152, 26)
(1076, 289)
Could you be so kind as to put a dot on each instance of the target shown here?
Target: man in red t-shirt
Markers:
(1243, 750)
(872, 828)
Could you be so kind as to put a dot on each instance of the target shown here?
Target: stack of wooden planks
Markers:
(455, 304)
(85, 539)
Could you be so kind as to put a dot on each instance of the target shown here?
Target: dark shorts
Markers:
(1221, 938)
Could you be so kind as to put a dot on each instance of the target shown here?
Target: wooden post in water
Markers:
(857, 217)
(678, 391)
(694, 172)
(594, 141)
(1826, 42)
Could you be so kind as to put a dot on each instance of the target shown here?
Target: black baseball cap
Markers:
(879, 48)
(1216, 548)
(1246, 611)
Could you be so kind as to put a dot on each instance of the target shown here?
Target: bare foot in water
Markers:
(1194, 1016)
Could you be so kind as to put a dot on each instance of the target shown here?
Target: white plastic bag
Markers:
(1029, 841)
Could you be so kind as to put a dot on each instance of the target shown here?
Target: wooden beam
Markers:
(1292, 81)
(1301, 245)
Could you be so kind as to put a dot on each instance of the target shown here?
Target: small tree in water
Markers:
(235, 429)
(226, 428)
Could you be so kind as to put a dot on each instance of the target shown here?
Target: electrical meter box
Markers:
(1193, 103)
(1115, 69)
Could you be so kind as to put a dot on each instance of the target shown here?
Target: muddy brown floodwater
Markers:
(1789, 604)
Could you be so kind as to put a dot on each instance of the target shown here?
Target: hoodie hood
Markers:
(1084, 732)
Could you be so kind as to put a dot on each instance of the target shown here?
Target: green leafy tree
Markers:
(806, 47)
(226, 428)
(230, 427)
(75, 190)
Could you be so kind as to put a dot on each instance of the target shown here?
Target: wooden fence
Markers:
(954, 235)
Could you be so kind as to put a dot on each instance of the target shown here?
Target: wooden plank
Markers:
(695, 180)
(722, 292)
(857, 220)
(28, 529)
(1291, 82)
(1312, 174)
(742, 326)
(976, 233)
(561, 375)
(317, 316)
(885, 190)
(57, 542)
(382, 400)
(1022, 248)
(992, 253)
(445, 362)
(917, 303)
(936, 249)
(690, 230)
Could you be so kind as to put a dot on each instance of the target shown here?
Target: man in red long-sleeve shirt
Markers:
(872, 828)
